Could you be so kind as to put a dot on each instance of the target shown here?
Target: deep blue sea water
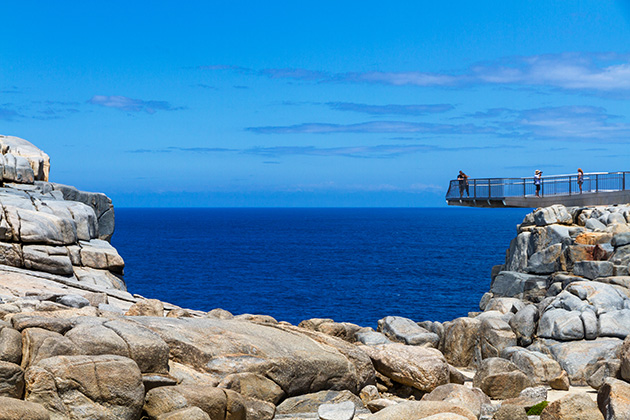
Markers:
(350, 264)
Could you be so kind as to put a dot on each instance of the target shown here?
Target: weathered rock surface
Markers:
(406, 331)
(12, 409)
(86, 387)
(421, 409)
(500, 379)
(217, 403)
(297, 363)
(471, 398)
(572, 407)
(419, 367)
(613, 399)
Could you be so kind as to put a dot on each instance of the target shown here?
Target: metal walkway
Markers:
(599, 188)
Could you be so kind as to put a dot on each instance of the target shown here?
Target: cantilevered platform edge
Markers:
(601, 198)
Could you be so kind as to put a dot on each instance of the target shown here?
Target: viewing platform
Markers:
(599, 188)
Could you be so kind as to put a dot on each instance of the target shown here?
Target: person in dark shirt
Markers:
(463, 184)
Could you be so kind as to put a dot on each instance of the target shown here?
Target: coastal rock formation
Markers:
(75, 344)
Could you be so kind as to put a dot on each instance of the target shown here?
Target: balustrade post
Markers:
(569, 184)
(489, 189)
(596, 183)
(475, 188)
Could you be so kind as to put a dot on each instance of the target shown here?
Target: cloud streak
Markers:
(132, 105)
(574, 72)
(372, 127)
(391, 109)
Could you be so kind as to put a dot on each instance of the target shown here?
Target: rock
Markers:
(73, 301)
(546, 261)
(37, 159)
(418, 367)
(146, 307)
(101, 204)
(379, 404)
(471, 398)
(560, 324)
(369, 393)
(309, 403)
(101, 278)
(518, 285)
(510, 412)
(295, 361)
(620, 240)
(505, 305)
(404, 330)
(11, 254)
(190, 413)
(524, 324)
(460, 344)
(613, 399)
(40, 227)
(218, 403)
(87, 386)
(455, 376)
(593, 269)
(343, 330)
(615, 324)
(10, 345)
(11, 380)
(597, 373)
(624, 356)
(603, 297)
(538, 393)
(539, 367)
(219, 313)
(253, 385)
(553, 214)
(12, 409)
(518, 253)
(495, 335)
(500, 379)
(445, 416)
(575, 356)
(421, 410)
(572, 407)
(560, 382)
(154, 380)
(371, 338)
(39, 344)
(257, 409)
(340, 411)
(51, 259)
(594, 225)
(100, 254)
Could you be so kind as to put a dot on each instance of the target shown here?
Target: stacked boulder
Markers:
(53, 228)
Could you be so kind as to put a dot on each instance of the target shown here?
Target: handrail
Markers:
(498, 188)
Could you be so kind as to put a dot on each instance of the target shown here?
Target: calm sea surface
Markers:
(352, 265)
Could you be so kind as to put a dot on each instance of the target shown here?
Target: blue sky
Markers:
(233, 103)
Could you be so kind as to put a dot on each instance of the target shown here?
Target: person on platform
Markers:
(537, 181)
(580, 179)
(463, 184)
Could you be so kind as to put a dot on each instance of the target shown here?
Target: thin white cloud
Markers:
(582, 72)
(372, 127)
(132, 105)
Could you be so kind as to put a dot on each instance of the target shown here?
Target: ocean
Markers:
(350, 264)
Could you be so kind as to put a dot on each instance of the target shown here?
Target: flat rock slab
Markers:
(296, 362)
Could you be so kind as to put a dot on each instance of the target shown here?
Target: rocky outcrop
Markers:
(74, 344)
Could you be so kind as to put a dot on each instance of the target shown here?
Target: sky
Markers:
(324, 104)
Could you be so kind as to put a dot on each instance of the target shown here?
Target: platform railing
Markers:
(497, 188)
